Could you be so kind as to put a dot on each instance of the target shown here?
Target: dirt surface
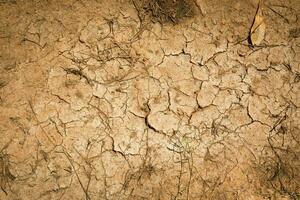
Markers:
(124, 99)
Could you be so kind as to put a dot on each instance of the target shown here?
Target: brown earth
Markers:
(162, 100)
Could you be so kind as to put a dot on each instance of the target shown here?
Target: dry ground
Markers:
(121, 99)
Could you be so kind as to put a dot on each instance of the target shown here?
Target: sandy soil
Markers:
(104, 99)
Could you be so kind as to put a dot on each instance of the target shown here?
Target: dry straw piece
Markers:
(258, 28)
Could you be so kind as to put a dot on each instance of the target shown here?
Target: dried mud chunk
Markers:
(205, 116)
(163, 121)
(207, 94)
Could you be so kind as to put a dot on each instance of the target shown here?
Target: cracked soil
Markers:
(149, 100)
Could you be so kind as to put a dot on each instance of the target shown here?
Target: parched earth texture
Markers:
(99, 101)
